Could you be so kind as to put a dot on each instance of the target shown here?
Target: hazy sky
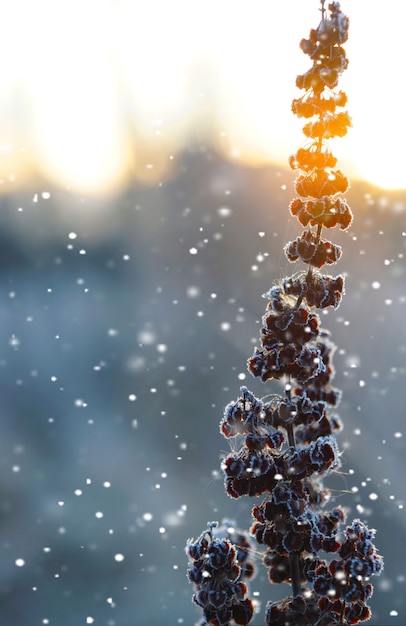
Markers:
(93, 90)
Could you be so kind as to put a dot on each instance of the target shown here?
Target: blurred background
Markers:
(143, 212)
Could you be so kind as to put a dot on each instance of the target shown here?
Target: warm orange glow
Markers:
(97, 92)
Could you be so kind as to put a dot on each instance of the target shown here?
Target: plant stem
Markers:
(291, 435)
(295, 573)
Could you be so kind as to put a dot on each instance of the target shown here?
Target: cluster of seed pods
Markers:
(287, 445)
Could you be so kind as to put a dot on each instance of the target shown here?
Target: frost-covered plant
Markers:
(288, 443)
(219, 564)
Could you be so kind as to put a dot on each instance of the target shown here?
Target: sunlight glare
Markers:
(93, 93)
